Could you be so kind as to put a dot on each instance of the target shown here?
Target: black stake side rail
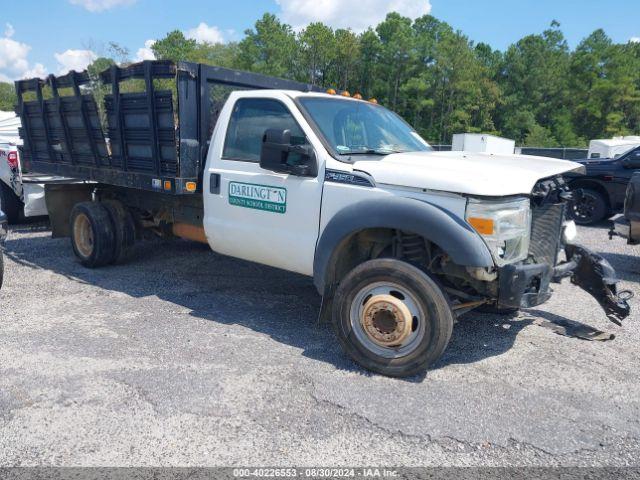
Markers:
(147, 145)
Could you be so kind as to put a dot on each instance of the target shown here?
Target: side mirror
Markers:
(633, 160)
(279, 155)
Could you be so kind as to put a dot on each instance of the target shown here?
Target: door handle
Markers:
(214, 183)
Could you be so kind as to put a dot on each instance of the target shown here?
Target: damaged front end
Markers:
(528, 284)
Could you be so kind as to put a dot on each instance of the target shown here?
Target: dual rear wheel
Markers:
(102, 233)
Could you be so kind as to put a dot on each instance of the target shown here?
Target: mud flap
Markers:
(596, 276)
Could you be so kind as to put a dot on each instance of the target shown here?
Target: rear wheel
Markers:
(590, 208)
(124, 230)
(392, 318)
(11, 204)
(92, 234)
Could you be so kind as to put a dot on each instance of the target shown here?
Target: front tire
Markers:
(591, 208)
(392, 318)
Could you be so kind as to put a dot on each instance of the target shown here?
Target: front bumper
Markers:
(525, 286)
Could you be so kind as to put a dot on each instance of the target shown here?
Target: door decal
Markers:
(259, 197)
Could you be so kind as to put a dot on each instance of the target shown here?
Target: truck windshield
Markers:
(361, 128)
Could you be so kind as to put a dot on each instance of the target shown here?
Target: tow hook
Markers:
(596, 276)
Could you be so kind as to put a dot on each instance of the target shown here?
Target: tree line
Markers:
(538, 92)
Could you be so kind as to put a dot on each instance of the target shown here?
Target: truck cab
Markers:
(399, 240)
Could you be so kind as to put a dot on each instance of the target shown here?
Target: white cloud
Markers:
(145, 53)
(101, 5)
(38, 70)
(74, 60)
(13, 55)
(14, 64)
(203, 33)
(634, 39)
(337, 14)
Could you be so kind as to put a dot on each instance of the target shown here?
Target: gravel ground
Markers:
(183, 357)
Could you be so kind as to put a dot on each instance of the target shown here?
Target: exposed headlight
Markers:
(504, 225)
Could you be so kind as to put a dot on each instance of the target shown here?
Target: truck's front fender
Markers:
(451, 233)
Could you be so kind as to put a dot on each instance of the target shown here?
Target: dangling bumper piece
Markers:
(595, 275)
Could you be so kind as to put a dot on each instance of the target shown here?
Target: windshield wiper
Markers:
(371, 151)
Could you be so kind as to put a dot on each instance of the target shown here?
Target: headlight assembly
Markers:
(504, 225)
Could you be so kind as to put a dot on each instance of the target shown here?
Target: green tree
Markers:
(347, 59)
(98, 66)
(605, 82)
(317, 52)
(270, 48)
(368, 66)
(219, 54)
(175, 46)
(397, 50)
(8, 97)
(535, 80)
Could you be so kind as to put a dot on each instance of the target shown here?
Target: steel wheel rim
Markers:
(418, 327)
(83, 235)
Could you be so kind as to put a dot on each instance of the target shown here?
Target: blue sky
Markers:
(45, 36)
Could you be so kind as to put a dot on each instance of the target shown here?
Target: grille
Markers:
(546, 231)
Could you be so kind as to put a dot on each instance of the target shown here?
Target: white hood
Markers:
(479, 174)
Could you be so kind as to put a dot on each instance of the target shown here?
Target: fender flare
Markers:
(458, 239)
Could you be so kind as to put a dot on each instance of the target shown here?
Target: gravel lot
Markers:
(183, 357)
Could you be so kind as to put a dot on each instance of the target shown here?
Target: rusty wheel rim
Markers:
(83, 235)
(387, 320)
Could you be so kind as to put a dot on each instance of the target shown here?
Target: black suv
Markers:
(628, 225)
(603, 187)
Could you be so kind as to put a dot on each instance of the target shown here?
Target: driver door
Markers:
(255, 214)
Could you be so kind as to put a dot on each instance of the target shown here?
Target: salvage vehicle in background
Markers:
(601, 191)
(21, 194)
(10, 201)
(399, 240)
(627, 225)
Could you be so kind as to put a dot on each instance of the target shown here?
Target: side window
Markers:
(250, 118)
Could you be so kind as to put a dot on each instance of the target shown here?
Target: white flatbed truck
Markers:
(400, 240)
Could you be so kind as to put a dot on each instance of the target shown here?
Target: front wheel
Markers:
(589, 209)
(392, 318)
